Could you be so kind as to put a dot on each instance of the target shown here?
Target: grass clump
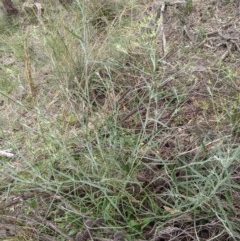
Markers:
(120, 126)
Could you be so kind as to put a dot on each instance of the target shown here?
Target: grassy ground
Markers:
(122, 118)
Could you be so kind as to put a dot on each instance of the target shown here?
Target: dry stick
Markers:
(69, 207)
(5, 205)
(49, 224)
(38, 217)
(52, 226)
(185, 30)
(106, 239)
(159, 21)
(28, 69)
(14, 229)
(227, 37)
(197, 148)
(236, 44)
(47, 237)
(86, 234)
(132, 113)
(226, 53)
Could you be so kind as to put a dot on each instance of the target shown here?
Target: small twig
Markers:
(236, 44)
(186, 32)
(51, 225)
(68, 206)
(226, 53)
(90, 225)
(47, 237)
(103, 239)
(9, 204)
(170, 2)
(6, 153)
(28, 69)
(131, 113)
(197, 148)
(55, 228)
(227, 37)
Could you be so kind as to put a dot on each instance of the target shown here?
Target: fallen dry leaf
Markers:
(6, 153)
(170, 210)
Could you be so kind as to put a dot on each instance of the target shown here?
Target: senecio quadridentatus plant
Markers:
(147, 32)
(147, 28)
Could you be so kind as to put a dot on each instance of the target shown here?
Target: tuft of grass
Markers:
(114, 134)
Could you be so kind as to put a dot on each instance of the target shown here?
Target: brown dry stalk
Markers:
(28, 69)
